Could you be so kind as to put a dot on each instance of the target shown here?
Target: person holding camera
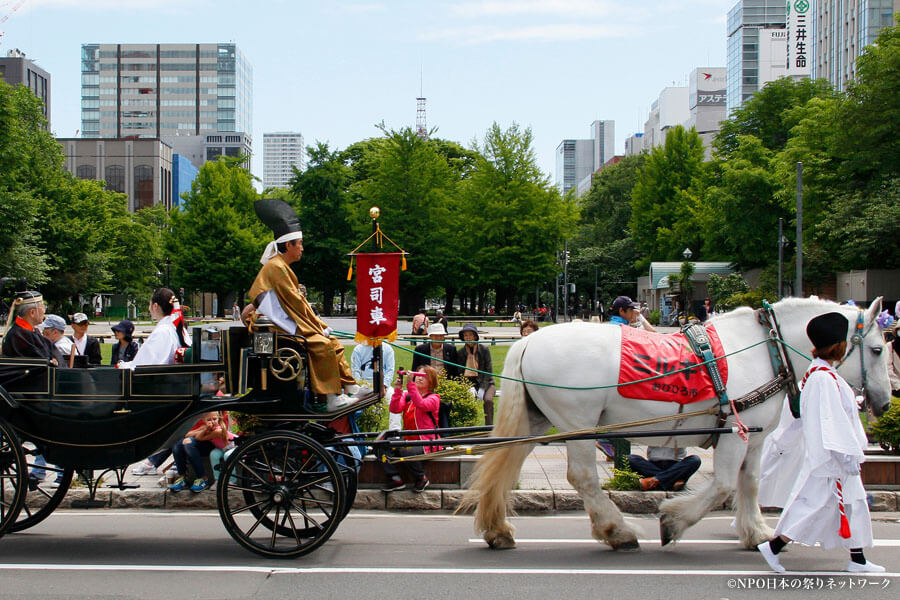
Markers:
(419, 406)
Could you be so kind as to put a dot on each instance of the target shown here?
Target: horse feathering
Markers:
(498, 470)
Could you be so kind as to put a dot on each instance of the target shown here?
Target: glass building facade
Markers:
(841, 29)
(153, 90)
(745, 21)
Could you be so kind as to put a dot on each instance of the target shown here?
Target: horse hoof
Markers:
(627, 546)
(501, 542)
(666, 532)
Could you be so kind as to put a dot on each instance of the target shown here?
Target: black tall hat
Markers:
(828, 329)
(277, 215)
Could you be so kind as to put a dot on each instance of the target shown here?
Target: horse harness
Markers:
(781, 365)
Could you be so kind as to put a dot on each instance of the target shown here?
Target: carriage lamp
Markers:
(263, 343)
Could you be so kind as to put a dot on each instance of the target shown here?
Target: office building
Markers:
(669, 110)
(753, 48)
(282, 152)
(15, 69)
(706, 103)
(138, 168)
(156, 90)
(840, 31)
(634, 144)
(578, 160)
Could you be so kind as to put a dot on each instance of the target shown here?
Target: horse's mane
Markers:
(786, 304)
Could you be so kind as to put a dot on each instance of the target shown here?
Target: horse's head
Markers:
(866, 338)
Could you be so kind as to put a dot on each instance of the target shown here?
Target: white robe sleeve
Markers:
(270, 307)
(830, 432)
(159, 349)
(782, 451)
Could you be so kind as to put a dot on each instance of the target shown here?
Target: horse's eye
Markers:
(877, 350)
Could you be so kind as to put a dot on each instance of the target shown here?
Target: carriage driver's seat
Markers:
(283, 357)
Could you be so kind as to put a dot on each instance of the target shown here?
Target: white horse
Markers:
(585, 355)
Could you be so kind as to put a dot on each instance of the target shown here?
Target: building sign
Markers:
(799, 42)
(707, 87)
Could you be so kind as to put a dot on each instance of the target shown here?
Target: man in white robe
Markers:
(825, 502)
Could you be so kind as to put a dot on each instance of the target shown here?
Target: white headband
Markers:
(272, 248)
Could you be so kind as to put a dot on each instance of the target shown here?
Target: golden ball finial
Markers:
(374, 212)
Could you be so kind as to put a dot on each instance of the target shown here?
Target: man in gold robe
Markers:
(276, 294)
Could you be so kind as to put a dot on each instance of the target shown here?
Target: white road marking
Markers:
(877, 543)
(415, 570)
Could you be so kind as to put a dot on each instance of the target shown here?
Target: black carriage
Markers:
(282, 492)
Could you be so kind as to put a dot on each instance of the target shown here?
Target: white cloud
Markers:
(482, 34)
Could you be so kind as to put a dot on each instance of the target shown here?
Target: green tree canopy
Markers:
(216, 240)
(665, 198)
(320, 195)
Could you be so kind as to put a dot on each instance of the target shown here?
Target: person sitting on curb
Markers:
(195, 447)
(664, 468)
(419, 405)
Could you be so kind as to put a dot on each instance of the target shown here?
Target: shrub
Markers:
(654, 317)
(623, 479)
(374, 417)
(465, 409)
(887, 429)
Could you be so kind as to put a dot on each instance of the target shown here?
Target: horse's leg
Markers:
(751, 527)
(679, 513)
(607, 523)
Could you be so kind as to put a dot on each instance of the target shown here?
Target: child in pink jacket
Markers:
(419, 407)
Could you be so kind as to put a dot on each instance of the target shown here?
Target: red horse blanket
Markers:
(646, 354)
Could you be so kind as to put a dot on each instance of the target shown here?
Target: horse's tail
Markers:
(498, 470)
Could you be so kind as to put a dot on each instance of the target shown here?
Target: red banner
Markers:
(646, 354)
(377, 297)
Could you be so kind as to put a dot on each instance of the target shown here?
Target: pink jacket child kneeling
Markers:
(418, 412)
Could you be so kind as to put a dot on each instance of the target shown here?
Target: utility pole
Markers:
(798, 284)
(596, 306)
(780, 256)
(566, 281)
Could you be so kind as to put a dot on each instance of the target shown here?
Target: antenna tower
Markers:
(421, 124)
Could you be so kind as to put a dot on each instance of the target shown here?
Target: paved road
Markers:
(133, 554)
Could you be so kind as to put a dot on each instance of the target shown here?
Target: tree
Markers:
(416, 189)
(740, 213)
(766, 115)
(515, 219)
(665, 198)
(861, 229)
(721, 288)
(867, 131)
(319, 192)
(216, 239)
(602, 248)
(27, 154)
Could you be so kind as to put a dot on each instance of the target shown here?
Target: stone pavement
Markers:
(542, 487)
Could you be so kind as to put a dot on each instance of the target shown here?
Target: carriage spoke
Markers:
(267, 463)
(275, 529)
(259, 520)
(284, 463)
(248, 507)
(307, 516)
(302, 468)
(290, 519)
(252, 472)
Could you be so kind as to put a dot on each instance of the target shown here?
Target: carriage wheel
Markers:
(41, 501)
(281, 494)
(13, 476)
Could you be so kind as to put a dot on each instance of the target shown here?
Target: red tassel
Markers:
(844, 530)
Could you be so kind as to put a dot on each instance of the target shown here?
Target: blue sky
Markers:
(334, 69)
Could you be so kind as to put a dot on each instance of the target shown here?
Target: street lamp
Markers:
(687, 254)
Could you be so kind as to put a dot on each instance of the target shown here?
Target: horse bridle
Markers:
(859, 334)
